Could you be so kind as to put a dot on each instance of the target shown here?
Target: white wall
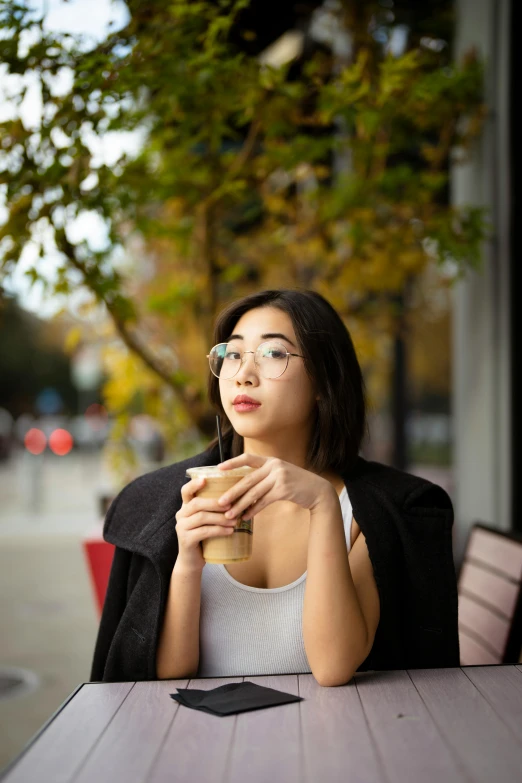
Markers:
(481, 340)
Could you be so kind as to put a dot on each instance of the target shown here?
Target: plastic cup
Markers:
(233, 548)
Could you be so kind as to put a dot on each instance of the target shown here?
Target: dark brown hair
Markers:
(330, 361)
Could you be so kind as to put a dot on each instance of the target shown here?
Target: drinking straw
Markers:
(220, 438)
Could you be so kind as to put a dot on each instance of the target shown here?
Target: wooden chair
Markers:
(490, 597)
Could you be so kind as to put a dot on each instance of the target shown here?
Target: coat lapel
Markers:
(153, 534)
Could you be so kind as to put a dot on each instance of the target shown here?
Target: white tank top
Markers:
(253, 630)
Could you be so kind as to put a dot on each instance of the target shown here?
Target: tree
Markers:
(320, 172)
(31, 360)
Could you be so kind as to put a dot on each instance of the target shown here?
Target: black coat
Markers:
(407, 522)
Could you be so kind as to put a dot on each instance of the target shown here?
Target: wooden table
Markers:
(420, 725)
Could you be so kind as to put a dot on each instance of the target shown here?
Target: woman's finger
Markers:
(251, 499)
(252, 460)
(189, 490)
(204, 504)
(242, 486)
(205, 518)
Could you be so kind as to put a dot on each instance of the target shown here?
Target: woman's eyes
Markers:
(268, 354)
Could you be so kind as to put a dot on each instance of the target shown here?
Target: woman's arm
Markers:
(341, 604)
(177, 655)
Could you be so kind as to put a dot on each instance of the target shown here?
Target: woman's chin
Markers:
(247, 432)
(247, 429)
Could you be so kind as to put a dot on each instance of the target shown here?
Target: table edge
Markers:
(10, 766)
(309, 674)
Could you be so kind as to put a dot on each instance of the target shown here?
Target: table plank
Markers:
(501, 686)
(129, 745)
(276, 729)
(67, 741)
(407, 739)
(483, 744)
(197, 744)
(337, 744)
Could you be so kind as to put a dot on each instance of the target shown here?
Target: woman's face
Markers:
(287, 402)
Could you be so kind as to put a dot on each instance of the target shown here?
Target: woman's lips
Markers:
(244, 407)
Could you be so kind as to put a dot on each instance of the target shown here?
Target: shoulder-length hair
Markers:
(331, 363)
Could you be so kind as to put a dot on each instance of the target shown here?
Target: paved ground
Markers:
(48, 619)
(49, 626)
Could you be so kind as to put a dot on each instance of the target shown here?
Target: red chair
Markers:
(98, 554)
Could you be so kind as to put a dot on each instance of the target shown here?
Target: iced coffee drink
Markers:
(232, 548)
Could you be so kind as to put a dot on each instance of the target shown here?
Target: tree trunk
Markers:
(399, 394)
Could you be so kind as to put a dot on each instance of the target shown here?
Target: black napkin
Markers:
(232, 698)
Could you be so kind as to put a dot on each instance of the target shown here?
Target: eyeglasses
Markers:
(271, 359)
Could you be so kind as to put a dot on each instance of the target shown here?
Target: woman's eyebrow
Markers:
(267, 336)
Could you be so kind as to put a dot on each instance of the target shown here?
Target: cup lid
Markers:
(212, 471)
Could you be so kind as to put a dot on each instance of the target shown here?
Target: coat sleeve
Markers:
(114, 604)
(430, 582)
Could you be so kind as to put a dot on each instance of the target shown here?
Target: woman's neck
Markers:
(292, 451)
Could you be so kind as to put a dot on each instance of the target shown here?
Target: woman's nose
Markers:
(248, 366)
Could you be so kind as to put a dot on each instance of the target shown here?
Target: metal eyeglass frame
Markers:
(288, 354)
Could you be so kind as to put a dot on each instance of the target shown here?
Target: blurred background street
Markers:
(45, 494)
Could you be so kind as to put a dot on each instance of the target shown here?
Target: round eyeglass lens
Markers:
(271, 358)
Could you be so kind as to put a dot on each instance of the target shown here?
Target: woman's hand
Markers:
(274, 479)
(197, 519)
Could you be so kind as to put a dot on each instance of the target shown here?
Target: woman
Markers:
(352, 565)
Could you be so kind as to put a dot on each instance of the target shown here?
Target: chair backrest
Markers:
(490, 597)
(99, 555)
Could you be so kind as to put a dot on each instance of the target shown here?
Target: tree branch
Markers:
(247, 148)
(192, 403)
(206, 237)
(239, 161)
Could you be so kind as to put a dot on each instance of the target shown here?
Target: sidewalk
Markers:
(49, 494)
(49, 626)
(47, 610)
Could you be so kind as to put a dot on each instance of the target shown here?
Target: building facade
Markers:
(483, 339)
